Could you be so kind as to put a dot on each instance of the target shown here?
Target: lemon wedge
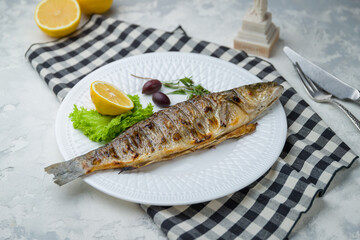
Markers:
(57, 18)
(108, 99)
(94, 6)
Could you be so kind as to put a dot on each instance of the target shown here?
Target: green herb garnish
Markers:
(186, 86)
(101, 128)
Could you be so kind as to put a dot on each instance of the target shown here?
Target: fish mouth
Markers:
(276, 94)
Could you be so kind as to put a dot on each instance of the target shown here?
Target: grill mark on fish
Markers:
(238, 101)
(131, 147)
(213, 122)
(202, 123)
(208, 113)
(113, 153)
(187, 123)
(192, 113)
(193, 129)
(139, 139)
(200, 120)
(124, 147)
(149, 125)
(170, 120)
(157, 124)
(236, 97)
(132, 142)
(183, 108)
(165, 121)
(95, 159)
(176, 136)
(184, 122)
(116, 145)
(217, 101)
(223, 115)
(209, 97)
(152, 134)
(134, 137)
(197, 109)
(103, 153)
(177, 118)
(243, 101)
(209, 110)
(149, 143)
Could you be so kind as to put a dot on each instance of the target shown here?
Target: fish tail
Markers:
(67, 171)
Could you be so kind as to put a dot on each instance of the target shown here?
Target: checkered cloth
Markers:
(269, 207)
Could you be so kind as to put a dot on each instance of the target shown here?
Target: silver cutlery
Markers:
(319, 95)
(324, 79)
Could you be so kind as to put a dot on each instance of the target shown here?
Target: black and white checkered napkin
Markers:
(269, 207)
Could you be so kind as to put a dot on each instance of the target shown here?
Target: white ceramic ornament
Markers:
(258, 34)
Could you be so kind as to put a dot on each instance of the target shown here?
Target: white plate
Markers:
(197, 177)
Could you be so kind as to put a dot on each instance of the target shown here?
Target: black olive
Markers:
(151, 86)
(160, 99)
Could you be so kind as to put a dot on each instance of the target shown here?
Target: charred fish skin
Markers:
(198, 123)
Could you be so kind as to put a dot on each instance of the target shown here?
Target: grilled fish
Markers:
(198, 123)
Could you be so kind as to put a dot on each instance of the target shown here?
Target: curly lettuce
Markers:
(101, 128)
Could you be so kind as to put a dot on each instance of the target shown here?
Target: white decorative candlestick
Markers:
(258, 34)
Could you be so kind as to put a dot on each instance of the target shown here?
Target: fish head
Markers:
(259, 96)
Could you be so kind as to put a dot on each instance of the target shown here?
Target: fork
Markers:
(319, 95)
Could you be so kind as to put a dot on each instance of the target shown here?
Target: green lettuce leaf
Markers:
(101, 128)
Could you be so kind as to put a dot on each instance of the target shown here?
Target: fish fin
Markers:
(243, 130)
(65, 172)
(136, 166)
(127, 169)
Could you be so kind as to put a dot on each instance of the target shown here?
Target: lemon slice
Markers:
(108, 99)
(57, 18)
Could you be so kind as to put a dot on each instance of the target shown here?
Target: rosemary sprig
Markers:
(186, 86)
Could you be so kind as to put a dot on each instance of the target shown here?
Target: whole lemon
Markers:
(57, 18)
(94, 6)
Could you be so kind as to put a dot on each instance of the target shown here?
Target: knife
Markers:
(324, 79)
